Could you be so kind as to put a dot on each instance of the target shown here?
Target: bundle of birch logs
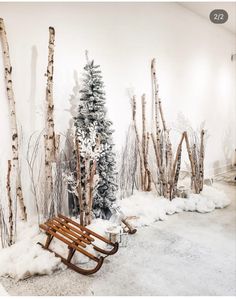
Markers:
(168, 164)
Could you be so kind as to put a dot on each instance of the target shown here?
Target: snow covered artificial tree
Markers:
(92, 121)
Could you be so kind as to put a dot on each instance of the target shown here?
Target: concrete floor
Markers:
(189, 254)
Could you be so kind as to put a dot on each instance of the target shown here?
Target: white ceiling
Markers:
(203, 9)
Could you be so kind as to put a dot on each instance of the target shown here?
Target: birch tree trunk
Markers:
(162, 145)
(138, 141)
(176, 168)
(91, 189)
(50, 143)
(85, 202)
(10, 206)
(191, 163)
(50, 133)
(13, 122)
(145, 137)
(155, 92)
(163, 181)
(201, 162)
(78, 185)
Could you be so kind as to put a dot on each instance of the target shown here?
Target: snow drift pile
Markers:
(148, 209)
(25, 258)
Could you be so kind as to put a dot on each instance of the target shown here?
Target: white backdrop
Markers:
(195, 73)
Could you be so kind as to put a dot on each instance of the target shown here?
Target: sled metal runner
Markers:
(78, 238)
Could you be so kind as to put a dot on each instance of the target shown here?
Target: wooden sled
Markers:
(77, 237)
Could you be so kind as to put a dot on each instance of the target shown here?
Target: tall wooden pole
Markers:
(147, 174)
(176, 168)
(50, 133)
(10, 205)
(201, 161)
(13, 122)
(50, 142)
(78, 184)
(134, 107)
(194, 180)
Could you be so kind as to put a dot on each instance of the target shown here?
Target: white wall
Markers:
(195, 73)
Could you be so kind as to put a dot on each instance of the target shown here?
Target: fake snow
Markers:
(26, 258)
(147, 208)
(3, 292)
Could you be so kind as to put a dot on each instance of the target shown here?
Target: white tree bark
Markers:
(78, 184)
(147, 174)
(138, 141)
(156, 96)
(13, 122)
(201, 162)
(10, 206)
(50, 143)
(193, 170)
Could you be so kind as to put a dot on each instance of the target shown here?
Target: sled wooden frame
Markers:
(77, 237)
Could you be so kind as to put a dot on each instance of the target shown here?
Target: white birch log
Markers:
(147, 174)
(163, 182)
(10, 205)
(156, 92)
(13, 122)
(86, 198)
(50, 143)
(176, 168)
(138, 141)
(78, 184)
(195, 186)
(201, 162)
(91, 189)
(50, 133)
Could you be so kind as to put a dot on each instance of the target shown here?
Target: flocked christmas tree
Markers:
(92, 120)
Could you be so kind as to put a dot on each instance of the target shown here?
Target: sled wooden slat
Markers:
(70, 244)
(65, 234)
(71, 232)
(78, 239)
(73, 228)
(86, 229)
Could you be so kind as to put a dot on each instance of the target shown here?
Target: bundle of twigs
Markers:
(128, 165)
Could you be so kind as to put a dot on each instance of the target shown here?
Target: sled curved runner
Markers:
(78, 238)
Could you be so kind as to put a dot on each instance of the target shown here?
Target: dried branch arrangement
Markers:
(128, 165)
